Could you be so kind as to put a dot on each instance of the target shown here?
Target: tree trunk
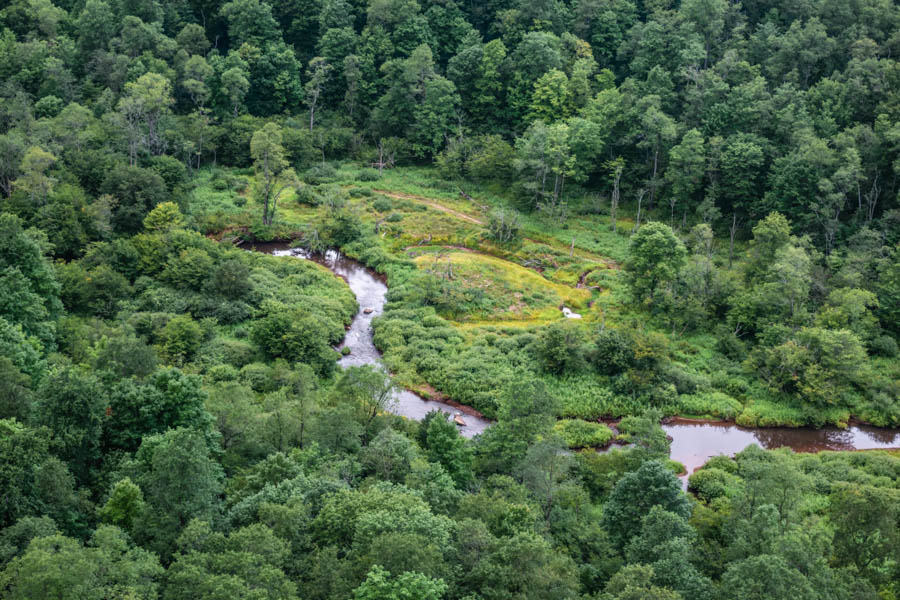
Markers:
(733, 232)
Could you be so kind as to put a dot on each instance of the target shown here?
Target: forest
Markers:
(590, 216)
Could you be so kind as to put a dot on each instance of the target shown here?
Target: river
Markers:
(693, 442)
(371, 294)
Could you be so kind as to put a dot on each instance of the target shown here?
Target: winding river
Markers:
(371, 294)
(693, 442)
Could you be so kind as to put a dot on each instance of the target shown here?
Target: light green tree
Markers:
(655, 257)
(274, 176)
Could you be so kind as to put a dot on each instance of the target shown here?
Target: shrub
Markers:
(222, 373)
(559, 348)
(235, 352)
(358, 192)
(395, 217)
(583, 434)
(320, 173)
(714, 404)
(181, 337)
(504, 227)
(382, 204)
(884, 345)
(259, 377)
(711, 483)
(613, 352)
(367, 175)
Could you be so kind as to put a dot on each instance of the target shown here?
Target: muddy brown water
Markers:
(371, 292)
(693, 442)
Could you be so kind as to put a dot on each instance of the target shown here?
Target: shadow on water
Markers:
(371, 294)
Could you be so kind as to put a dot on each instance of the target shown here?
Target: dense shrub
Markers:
(583, 434)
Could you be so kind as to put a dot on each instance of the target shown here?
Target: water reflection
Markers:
(694, 443)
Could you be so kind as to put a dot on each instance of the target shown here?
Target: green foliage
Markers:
(295, 335)
(139, 139)
(656, 256)
(379, 585)
(181, 338)
(635, 494)
(583, 434)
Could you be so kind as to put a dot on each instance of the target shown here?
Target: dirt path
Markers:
(429, 202)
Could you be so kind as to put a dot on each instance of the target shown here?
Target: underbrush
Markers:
(583, 434)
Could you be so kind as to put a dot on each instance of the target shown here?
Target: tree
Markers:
(235, 85)
(163, 218)
(653, 484)
(29, 291)
(560, 349)
(444, 445)
(12, 150)
(318, 73)
(655, 257)
(33, 178)
(60, 567)
(249, 562)
(866, 521)
(124, 506)
(657, 131)
(635, 582)
(389, 456)
(687, 165)
(70, 403)
(380, 585)
(523, 566)
(545, 470)
(550, 100)
(274, 176)
(765, 577)
(167, 400)
(135, 191)
(543, 153)
(180, 481)
(145, 103)
(250, 22)
(369, 390)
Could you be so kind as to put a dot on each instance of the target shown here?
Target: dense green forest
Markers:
(711, 186)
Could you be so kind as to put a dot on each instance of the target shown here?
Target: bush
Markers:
(320, 173)
(358, 192)
(714, 404)
(711, 483)
(235, 352)
(884, 345)
(613, 352)
(259, 377)
(504, 227)
(181, 338)
(395, 217)
(367, 175)
(382, 204)
(583, 434)
(222, 373)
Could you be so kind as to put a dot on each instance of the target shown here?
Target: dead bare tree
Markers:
(637, 220)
